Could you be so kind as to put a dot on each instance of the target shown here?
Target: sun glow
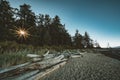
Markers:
(22, 33)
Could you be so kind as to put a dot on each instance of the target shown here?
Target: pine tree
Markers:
(78, 40)
(40, 20)
(47, 20)
(27, 20)
(86, 40)
(6, 20)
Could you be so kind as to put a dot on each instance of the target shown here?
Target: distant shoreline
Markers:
(113, 53)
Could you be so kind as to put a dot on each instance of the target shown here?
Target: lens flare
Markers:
(21, 33)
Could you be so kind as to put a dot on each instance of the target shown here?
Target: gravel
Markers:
(91, 66)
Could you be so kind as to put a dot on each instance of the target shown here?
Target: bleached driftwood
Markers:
(33, 55)
(37, 65)
(45, 64)
(46, 53)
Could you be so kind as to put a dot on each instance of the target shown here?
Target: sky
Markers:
(100, 18)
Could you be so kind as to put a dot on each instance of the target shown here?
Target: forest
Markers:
(23, 26)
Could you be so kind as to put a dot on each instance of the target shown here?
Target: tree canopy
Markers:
(42, 29)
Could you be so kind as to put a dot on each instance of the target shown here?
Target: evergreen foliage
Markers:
(43, 30)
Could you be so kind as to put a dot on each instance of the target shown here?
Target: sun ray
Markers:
(21, 32)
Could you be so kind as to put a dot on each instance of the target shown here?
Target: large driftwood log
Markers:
(39, 65)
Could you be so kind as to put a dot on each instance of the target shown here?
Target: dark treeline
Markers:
(43, 30)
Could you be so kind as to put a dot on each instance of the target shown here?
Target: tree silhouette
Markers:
(43, 29)
(78, 40)
(6, 20)
(86, 40)
(27, 20)
(47, 20)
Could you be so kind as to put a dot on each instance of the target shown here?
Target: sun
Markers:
(22, 33)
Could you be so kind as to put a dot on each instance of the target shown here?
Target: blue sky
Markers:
(100, 18)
